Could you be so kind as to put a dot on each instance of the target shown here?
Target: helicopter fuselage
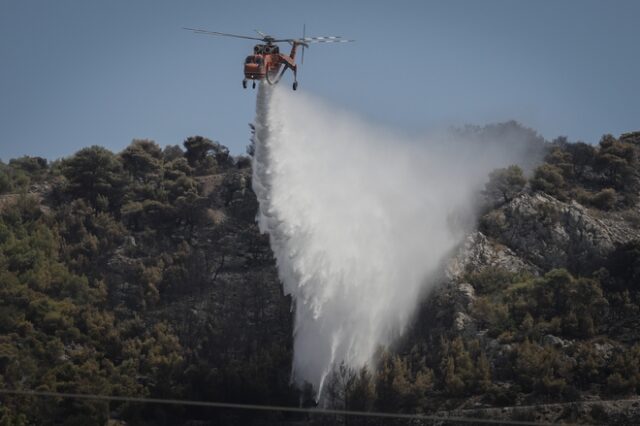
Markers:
(267, 61)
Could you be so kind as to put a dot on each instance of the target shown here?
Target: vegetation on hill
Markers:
(137, 274)
(143, 273)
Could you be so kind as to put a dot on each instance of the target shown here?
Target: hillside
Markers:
(138, 274)
(143, 273)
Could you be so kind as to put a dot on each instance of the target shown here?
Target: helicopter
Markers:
(267, 63)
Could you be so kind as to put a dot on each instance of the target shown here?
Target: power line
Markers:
(319, 411)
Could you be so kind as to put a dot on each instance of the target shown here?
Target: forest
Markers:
(142, 273)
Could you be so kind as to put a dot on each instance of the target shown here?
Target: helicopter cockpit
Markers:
(251, 59)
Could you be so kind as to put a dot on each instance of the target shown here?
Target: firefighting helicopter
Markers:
(267, 63)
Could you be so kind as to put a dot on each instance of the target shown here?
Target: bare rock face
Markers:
(556, 341)
(533, 233)
(452, 302)
(478, 252)
(550, 233)
(466, 294)
(464, 324)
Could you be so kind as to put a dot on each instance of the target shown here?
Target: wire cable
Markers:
(229, 405)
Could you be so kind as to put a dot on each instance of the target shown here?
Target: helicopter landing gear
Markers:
(244, 84)
(254, 84)
(294, 68)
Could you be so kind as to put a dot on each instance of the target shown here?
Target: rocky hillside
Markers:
(143, 273)
(540, 307)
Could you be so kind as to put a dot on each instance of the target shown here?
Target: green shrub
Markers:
(605, 199)
(548, 179)
(491, 279)
(5, 182)
(504, 184)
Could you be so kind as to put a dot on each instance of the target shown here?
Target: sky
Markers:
(86, 72)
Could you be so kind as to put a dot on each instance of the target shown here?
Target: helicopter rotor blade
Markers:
(304, 41)
(263, 35)
(327, 39)
(199, 31)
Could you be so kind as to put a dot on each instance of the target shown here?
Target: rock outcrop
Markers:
(550, 233)
(478, 253)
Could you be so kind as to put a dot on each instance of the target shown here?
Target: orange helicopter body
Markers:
(267, 63)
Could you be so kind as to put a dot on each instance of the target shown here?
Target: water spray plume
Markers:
(359, 220)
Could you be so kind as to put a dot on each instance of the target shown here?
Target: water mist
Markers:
(359, 219)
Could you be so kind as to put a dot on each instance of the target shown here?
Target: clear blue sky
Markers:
(83, 72)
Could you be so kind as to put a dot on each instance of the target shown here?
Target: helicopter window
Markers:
(253, 60)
